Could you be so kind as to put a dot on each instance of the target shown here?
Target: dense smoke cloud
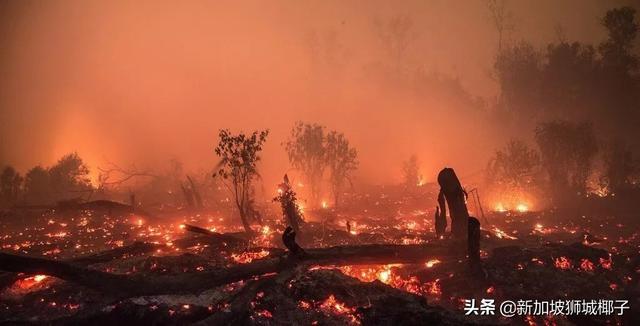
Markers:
(146, 81)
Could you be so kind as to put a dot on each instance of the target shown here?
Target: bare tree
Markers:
(342, 160)
(239, 155)
(10, 185)
(113, 175)
(619, 167)
(307, 153)
(501, 18)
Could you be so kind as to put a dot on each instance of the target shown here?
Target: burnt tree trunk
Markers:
(441, 216)
(455, 196)
(473, 242)
(245, 220)
(291, 212)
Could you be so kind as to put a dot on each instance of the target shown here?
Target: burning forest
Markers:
(286, 163)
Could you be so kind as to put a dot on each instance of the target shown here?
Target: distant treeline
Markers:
(575, 81)
(68, 178)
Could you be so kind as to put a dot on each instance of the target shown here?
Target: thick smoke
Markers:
(146, 81)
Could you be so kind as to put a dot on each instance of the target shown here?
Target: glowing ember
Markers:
(265, 230)
(433, 288)
(490, 290)
(500, 208)
(563, 263)
(29, 282)
(606, 263)
(503, 235)
(522, 208)
(57, 235)
(324, 204)
(383, 273)
(264, 313)
(531, 321)
(537, 261)
(586, 265)
(432, 262)
(247, 257)
(339, 308)
(384, 276)
(304, 305)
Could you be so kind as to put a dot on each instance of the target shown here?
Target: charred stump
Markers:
(440, 221)
(289, 240)
(463, 226)
(454, 195)
(473, 242)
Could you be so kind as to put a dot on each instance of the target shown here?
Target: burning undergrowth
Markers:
(524, 256)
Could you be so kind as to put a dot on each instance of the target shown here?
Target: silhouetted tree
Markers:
(10, 186)
(37, 186)
(501, 18)
(567, 151)
(619, 83)
(342, 160)
(577, 81)
(622, 29)
(518, 69)
(69, 177)
(307, 153)
(239, 155)
(619, 167)
(568, 83)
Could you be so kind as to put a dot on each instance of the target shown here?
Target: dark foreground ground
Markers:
(585, 253)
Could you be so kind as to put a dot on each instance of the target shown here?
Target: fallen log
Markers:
(136, 248)
(140, 248)
(139, 284)
(230, 237)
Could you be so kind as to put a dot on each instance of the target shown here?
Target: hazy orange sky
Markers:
(145, 81)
